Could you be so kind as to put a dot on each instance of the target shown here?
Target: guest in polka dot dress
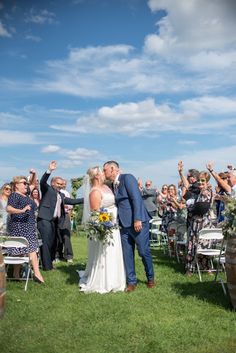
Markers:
(22, 223)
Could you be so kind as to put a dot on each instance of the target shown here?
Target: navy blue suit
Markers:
(130, 208)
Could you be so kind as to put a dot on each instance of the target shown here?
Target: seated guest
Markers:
(22, 223)
(200, 218)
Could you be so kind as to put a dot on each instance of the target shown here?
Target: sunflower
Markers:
(104, 217)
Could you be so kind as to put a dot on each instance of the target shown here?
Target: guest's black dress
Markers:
(24, 224)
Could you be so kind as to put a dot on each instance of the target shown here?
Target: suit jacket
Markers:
(149, 198)
(129, 201)
(49, 199)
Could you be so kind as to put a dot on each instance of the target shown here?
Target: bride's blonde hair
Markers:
(92, 173)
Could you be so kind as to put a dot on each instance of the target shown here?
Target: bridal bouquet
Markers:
(100, 226)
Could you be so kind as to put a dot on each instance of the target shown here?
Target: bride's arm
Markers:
(95, 199)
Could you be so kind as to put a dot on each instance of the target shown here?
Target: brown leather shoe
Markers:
(151, 284)
(130, 288)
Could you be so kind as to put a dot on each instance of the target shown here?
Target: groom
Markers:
(134, 222)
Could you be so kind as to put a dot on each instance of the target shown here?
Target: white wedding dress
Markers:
(105, 267)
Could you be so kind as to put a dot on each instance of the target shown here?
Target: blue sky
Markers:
(146, 83)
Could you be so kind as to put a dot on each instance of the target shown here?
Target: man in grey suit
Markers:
(149, 196)
(51, 214)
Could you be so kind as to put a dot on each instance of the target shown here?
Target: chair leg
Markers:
(27, 278)
(177, 252)
(198, 270)
(223, 287)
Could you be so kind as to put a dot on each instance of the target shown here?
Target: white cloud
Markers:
(196, 33)
(9, 119)
(33, 38)
(193, 51)
(186, 142)
(40, 17)
(197, 116)
(9, 137)
(50, 149)
(73, 158)
(3, 31)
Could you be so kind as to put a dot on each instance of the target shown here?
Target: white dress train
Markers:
(105, 267)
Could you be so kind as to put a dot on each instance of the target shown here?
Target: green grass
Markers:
(179, 315)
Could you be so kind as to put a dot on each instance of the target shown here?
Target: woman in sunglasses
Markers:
(200, 218)
(23, 224)
(5, 192)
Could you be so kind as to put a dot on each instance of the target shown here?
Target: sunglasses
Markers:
(7, 188)
(202, 180)
(23, 182)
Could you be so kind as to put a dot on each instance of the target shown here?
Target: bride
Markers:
(105, 268)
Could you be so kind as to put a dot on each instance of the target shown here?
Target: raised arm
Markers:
(220, 181)
(43, 181)
(32, 179)
(181, 174)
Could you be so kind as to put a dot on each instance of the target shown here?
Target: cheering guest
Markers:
(200, 218)
(51, 215)
(23, 224)
(35, 196)
(5, 192)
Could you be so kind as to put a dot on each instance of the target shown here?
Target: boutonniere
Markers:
(117, 183)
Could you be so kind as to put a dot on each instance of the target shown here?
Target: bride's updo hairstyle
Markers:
(92, 173)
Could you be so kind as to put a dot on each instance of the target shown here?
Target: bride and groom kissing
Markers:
(112, 267)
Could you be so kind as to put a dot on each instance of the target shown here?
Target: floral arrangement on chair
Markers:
(229, 224)
(100, 226)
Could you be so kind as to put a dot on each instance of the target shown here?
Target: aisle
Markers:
(178, 315)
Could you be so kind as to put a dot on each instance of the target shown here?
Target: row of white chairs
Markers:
(175, 242)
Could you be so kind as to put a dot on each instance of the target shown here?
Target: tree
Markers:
(76, 183)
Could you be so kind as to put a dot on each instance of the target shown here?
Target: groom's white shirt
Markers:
(116, 181)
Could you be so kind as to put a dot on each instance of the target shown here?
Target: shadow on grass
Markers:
(73, 276)
(71, 271)
(208, 291)
(162, 259)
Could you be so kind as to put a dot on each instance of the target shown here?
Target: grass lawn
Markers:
(179, 315)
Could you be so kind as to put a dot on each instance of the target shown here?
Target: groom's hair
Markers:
(112, 162)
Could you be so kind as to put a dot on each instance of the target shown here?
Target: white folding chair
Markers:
(213, 238)
(221, 266)
(181, 241)
(155, 231)
(17, 242)
(171, 235)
